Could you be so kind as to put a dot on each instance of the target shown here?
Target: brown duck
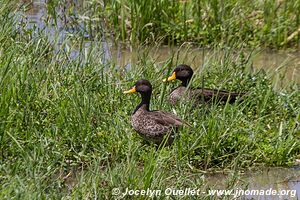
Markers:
(152, 125)
(184, 73)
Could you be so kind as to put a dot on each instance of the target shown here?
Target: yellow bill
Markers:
(132, 90)
(170, 78)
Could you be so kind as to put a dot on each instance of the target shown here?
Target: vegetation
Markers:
(270, 23)
(65, 123)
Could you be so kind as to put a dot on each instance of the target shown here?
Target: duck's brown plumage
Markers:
(183, 92)
(152, 125)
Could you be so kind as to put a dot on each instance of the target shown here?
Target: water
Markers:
(283, 62)
(274, 62)
(285, 181)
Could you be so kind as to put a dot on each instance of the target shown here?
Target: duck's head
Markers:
(141, 86)
(181, 72)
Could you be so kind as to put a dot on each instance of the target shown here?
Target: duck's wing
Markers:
(215, 92)
(166, 119)
(208, 94)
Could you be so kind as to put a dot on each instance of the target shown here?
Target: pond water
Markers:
(275, 62)
(284, 181)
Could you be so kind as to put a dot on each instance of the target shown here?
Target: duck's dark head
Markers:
(183, 73)
(143, 87)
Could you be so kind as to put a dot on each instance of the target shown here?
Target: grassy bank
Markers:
(271, 23)
(65, 123)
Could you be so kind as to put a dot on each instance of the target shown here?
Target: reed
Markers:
(272, 23)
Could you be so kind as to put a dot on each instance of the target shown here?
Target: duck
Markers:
(153, 125)
(184, 73)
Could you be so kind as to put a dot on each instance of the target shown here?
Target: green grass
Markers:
(271, 23)
(65, 124)
(207, 23)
